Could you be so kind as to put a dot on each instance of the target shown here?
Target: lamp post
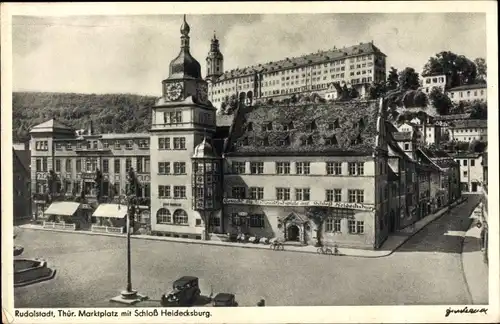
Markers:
(129, 296)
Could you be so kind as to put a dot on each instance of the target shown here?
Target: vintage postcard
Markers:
(250, 162)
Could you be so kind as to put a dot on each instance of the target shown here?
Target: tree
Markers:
(98, 184)
(392, 79)
(477, 146)
(478, 110)
(318, 215)
(481, 70)
(408, 79)
(377, 90)
(440, 101)
(459, 70)
(294, 99)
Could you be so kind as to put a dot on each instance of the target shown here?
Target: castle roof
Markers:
(185, 65)
(304, 129)
(308, 59)
(469, 87)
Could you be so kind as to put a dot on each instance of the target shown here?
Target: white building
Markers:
(430, 82)
(468, 93)
(469, 130)
(471, 171)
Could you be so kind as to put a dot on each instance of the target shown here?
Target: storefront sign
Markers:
(172, 204)
(299, 203)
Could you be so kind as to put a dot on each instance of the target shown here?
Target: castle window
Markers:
(264, 141)
(311, 126)
(331, 140)
(284, 142)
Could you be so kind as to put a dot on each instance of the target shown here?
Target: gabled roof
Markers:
(438, 157)
(51, 126)
(470, 123)
(306, 128)
(470, 87)
(308, 59)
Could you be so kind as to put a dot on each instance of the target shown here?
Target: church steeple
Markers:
(215, 60)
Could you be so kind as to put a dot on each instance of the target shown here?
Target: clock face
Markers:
(202, 92)
(174, 91)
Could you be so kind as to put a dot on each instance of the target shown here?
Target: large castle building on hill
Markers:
(335, 172)
(355, 66)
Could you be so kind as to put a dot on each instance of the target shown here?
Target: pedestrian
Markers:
(261, 303)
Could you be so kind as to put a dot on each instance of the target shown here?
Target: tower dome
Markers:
(204, 151)
(185, 65)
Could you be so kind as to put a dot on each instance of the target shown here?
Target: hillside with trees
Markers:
(119, 113)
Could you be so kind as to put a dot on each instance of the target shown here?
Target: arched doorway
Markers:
(293, 233)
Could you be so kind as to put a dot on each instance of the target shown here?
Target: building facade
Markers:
(469, 130)
(357, 66)
(468, 93)
(429, 82)
(471, 171)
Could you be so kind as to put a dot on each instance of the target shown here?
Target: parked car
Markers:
(185, 292)
(224, 300)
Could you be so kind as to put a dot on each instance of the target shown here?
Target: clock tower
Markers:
(181, 119)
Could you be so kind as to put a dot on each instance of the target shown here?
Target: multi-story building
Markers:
(469, 130)
(468, 93)
(429, 82)
(75, 160)
(356, 66)
(471, 171)
(21, 182)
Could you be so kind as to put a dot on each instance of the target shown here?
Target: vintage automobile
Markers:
(185, 291)
(224, 300)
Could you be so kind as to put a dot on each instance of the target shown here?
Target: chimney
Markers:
(90, 129)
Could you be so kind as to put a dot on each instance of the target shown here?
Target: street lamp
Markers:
(129, 296)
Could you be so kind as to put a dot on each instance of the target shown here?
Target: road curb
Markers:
(375, 253)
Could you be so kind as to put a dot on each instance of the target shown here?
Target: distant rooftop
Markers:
(51, 125)
(451, 117)
(470, 123)
(402, 136)
(308, 59)
(470, 87)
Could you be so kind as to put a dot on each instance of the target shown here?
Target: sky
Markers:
(131, 54)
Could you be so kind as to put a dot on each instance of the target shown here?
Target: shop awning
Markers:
(64, 208)
(111, 210)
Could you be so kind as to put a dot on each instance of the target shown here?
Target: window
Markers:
(303, 167)
(238, 192)
(105, 144)
(78, 165)
(176, 117)
(355, 196)
(238, 167)
(256, 193)
(356, 168)
(164, 191)
(472, 163)
(334, 195)
(164, 167)
(333, 168)
(129, 145)
(69, 147)
(128, 165)
(465, 173)
(283, 193)
(58, 165)
(256, 167)
(302, 194)
(59, 146)
(257, 220)
(117, 165)
(283, 167)
(332, 225)
(143, 144)
(164, 143)
(105, 165)
(91, 165)
(117, 145)
(94, 145)
(179, 167)
(465, 162)
(179, 143)
(356, 227)
(68, 165)
(163, 216)
(179, 192)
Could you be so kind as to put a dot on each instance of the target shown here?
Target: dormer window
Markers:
(129, 145)
(288, 126)
(311, 126)
(284, 142)
(117, 145)
(309, 140)
(250, 127)
(331, 140)
(264, 141)
(357, 140)
(69, 147)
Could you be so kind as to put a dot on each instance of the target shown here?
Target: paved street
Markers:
(91, 269)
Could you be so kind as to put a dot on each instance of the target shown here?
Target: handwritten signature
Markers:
(466, 310)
